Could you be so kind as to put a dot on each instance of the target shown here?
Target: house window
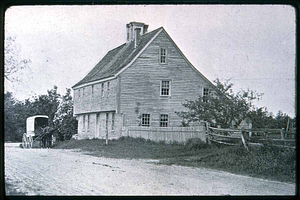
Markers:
(206, 93)
(78, 92)
(165, 88)
(102, 90)
(163, 56)
(164, 120)
(92, 90)
(83, 91)
(145, 119)
(108, 89)
(112, 121)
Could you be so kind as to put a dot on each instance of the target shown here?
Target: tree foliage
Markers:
(12, 60)
(52, 105)
(64, 120)
(221, 107)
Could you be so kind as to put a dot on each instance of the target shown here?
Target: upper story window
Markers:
(206, 93)
(102, 90)
(83, 91)
(145, 119)
(165, 88)
(164, 119)
(108, 89)
(163, 56)
(78, 92)
(92, 90)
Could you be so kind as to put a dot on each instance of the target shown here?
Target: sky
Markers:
(252, 45)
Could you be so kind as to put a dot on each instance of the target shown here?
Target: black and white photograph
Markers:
(150, 100)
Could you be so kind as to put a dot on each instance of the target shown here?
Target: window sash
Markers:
(164, 120)
(145, 120)
(102, 90)
(108, 88)
(165, 88)
(163, 55)
(206, 93)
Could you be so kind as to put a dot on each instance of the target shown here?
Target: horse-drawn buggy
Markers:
(38, 133)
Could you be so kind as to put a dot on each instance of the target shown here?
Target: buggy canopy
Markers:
(34, 122)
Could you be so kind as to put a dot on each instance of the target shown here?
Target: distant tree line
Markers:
(228, 109)
(58, 108)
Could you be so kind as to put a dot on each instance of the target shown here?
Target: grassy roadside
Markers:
(12, 190)
(270, 163)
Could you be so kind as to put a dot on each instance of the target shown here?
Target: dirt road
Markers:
(65, 172)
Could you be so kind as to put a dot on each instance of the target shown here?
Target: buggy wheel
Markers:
(30, 141)
(24, 141)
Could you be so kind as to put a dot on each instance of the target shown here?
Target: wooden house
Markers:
(140, 83)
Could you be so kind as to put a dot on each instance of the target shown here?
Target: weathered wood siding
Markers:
(140, 85)
(92, 101)
(94, 125)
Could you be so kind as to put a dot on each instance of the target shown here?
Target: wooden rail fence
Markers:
(252, 137)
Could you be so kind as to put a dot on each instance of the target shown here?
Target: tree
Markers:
(13, 126)
(221, 107)
(12, 63)
(46, 104)
(64, 120)
(261, 118)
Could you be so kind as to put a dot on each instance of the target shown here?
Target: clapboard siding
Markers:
(140, 84)
(92, 101)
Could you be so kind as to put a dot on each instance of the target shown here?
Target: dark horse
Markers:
(45, 136)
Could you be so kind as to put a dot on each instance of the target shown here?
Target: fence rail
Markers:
(166, 134)
(252, 137)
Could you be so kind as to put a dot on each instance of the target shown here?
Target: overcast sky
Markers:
(253, 45)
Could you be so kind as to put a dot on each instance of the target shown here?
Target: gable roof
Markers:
(118, 59)
(115, 60)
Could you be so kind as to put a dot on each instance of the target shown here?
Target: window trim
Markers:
(160, 91)
(161, 56)
(102, 90)
(160, 120)
(149, 116)
(108, 88)
(209, 93)
(92, 90)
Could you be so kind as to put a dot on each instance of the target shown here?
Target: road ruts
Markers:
(67, 172)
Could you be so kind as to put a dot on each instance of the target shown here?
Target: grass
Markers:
(11, 190)
(269, 162)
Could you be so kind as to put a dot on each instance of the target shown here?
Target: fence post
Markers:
(207, 132)
(243, 139)
(282, 133)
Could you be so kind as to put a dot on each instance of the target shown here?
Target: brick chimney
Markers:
(133, 28)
